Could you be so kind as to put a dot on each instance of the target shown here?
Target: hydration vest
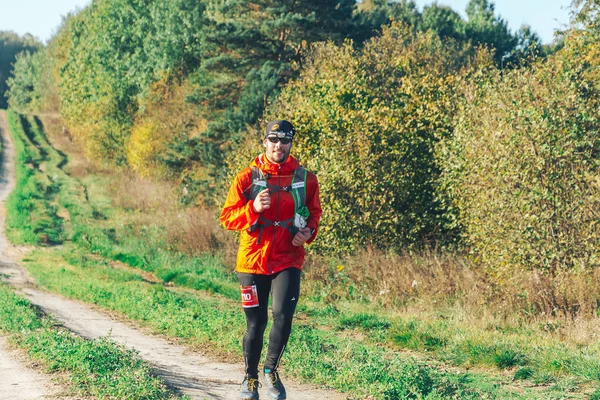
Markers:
(260, 181)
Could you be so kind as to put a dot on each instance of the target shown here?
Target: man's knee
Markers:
(256, 327)
(282, 317)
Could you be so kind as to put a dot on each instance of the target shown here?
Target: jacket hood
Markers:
(286, 167)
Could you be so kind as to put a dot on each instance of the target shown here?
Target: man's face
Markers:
(275, 149)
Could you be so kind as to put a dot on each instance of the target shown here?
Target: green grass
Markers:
(32, 218)
(341, 338)
(322, 357)
(99, 368)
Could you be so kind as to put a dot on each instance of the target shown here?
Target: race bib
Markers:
(249, 296)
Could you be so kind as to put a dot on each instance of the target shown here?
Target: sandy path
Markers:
(17, 381)
(193, 374)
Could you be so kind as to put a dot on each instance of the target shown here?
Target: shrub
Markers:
(109, 54)
(24, 86)
(165, 118)
(368, 125)
(522, 167)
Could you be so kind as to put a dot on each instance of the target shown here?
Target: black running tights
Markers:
(285, 289)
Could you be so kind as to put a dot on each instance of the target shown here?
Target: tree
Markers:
(369, 119)
(523, 165)
(12, 44)
(110, 54)
(24, 86)
(373, 15)
(482, 28)
(485, 28)
(444, 21)
(529, 44)
(252, 48)
(586, 12)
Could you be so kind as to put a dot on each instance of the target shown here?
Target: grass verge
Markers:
(323, 357)
(99, 368)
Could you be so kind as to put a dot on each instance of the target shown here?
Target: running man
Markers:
(275, 204)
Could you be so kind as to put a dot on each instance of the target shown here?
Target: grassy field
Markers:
(417, 330)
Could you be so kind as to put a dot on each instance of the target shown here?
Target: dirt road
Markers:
(191, 373)
(17, 381)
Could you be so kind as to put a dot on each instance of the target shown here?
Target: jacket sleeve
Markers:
(238, 213)
(314, 205)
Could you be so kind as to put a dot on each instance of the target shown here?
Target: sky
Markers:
(41, 18)
(544, 16)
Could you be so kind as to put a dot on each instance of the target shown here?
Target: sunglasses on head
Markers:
(275, 139)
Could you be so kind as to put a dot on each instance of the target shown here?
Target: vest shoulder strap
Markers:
(299, 187)
(259, 182)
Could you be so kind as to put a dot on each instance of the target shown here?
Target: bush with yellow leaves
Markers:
(523, 165)
(369, 121)
(165, 119)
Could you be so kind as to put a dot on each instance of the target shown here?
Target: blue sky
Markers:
(38, 17)
(544, 16)
(42, 17)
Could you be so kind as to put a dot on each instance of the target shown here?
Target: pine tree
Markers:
(252, 48)
(485, 28)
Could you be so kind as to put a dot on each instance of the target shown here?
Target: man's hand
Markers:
(301, 237)
(262, 201)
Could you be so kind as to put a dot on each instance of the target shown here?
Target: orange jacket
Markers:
(275, 252)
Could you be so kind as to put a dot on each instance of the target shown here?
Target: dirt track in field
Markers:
(191, 373)
(17, 380)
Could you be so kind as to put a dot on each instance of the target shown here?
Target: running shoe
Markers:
(249, 388)
(276, 389)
